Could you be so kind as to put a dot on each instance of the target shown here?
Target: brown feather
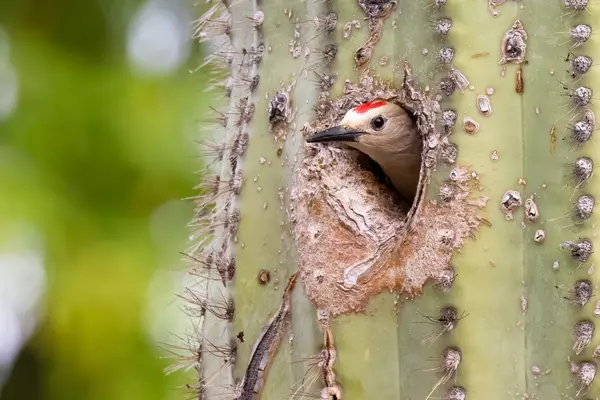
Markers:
(396, 148)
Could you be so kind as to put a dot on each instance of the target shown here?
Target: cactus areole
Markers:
(370, 229)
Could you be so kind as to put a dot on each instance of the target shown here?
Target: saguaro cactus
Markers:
(315, 279)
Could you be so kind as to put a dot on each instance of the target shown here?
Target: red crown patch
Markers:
(363, 108)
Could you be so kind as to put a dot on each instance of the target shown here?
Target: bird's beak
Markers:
(335, 134)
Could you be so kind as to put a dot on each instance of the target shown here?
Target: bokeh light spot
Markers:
(158, 39)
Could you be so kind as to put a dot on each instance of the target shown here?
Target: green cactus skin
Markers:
(501, 343)
(516, 336)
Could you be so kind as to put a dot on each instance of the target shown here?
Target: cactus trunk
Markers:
(518, 321)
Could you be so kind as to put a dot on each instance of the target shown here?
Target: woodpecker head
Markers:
(368, 124)
(385, 132)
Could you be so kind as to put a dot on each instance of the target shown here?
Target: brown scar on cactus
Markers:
(355, 235)
(377, 12)
(321, 366)
(266, 346)
(328, 355)
(520, 84)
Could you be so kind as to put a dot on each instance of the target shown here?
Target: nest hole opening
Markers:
(356, 230)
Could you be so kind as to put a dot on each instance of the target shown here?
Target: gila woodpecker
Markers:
(385, 132)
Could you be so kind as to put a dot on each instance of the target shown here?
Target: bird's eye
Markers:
(378, 123)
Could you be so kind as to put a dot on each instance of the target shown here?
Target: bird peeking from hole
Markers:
(386, 133)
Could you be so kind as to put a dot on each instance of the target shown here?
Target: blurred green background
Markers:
(98, 117)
